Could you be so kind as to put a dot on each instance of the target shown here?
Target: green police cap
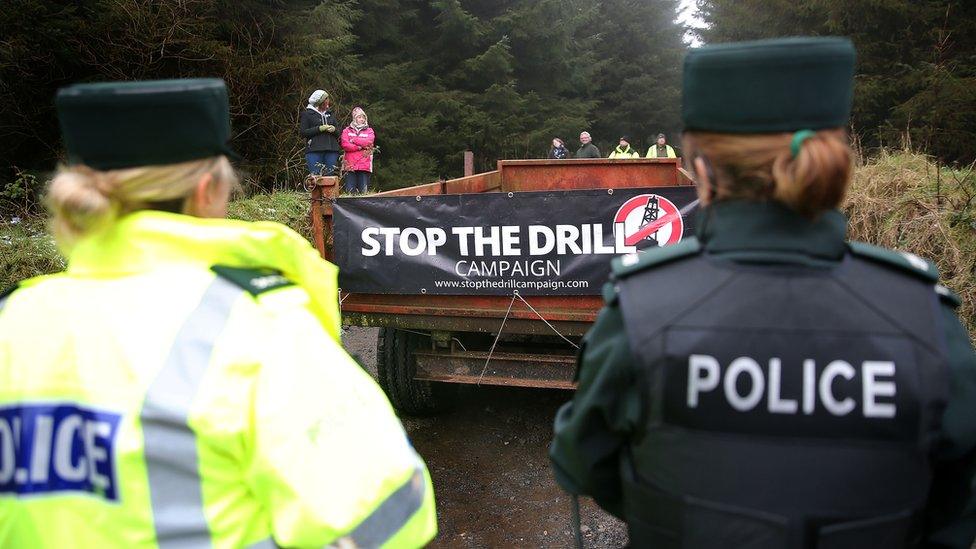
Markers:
(111, 125)
(768, 86)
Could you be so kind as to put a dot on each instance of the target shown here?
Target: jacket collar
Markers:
(745, 226)
(148, 240)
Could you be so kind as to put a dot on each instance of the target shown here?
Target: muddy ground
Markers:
(490, 468)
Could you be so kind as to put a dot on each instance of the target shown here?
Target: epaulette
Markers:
(904, 261)
(610, 292)
(254, 281)
(629, 264)
(948, 296)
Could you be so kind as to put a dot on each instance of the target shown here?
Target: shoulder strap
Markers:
(627, 265)
(903, 261)
(254, 281)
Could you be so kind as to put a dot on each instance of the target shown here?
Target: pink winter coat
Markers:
(354, 142)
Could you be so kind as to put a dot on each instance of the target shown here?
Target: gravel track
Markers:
(488, 459)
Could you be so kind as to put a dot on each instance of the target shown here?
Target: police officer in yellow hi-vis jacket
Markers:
(182, 384)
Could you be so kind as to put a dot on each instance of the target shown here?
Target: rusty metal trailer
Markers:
(430, 343)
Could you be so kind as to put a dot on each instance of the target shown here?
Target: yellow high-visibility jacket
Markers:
(652, 152)
(624, 153)
(181, 385)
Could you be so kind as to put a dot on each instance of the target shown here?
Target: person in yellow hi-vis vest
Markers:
(661, 149)
(182, 383)
(623, 150)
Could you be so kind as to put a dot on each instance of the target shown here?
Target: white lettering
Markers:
(697, 383)
(750, 367)
(96, 453)
(587, 238)
(776, 404)
(809, 385)
(834, 369)
(620, 241)
(67, 430)
(462, 233)
(7, 452)
(598, 245)
(368, 239)
(482, 240)
(566, 237)
(539, 248)
(436, 237)
(41, 452)
(390, 233)
(405, 246)
(872, 388)
(510, 240)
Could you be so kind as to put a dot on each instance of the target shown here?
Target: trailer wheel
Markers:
(395, 369)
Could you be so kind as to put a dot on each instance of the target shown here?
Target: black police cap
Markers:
(111, 125)
(767, 86)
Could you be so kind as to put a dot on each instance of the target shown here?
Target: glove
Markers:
(329, 128)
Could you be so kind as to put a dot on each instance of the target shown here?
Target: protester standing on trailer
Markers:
(182, 383)
(357, 141)
(317, 125)
(661, 149)
(769, 384)
(558, 150)
(587, 148)
(624, 150)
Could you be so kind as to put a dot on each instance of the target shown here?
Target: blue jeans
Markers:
(322, 162)
(356, 182)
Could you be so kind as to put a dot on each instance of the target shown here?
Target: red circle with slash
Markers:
(666, 229)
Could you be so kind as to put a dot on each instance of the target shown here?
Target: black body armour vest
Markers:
(787, 406)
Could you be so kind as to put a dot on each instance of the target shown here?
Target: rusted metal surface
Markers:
(573, 308)
(571, 315)
(476, 325)
(479, 183)
(505, 368)
(324, 189)
(552, 175)
(468, 163)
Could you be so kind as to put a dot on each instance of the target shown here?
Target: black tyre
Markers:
(395, 368)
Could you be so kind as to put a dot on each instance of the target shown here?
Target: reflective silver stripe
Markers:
(170, 444)
(390, 516)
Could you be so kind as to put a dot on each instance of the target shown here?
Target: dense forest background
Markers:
(498, 77)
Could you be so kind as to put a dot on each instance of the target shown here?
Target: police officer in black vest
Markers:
(768, 384)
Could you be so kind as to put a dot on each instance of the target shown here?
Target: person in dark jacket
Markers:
(769, 384)
(558, 150)
(587, 148)
(318, 126)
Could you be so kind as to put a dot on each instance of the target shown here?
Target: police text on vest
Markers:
(47, 448)
(705, 374)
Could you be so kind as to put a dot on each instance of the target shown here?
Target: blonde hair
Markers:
(762, 167)
(81, 199)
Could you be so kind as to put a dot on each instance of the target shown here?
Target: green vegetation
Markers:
(907, 202)
(499, 77)
(916, 66)
(289, 208)
(26, 249)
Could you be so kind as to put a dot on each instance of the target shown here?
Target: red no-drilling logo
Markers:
(651, 217)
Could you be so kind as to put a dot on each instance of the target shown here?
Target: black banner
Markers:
(539, 243)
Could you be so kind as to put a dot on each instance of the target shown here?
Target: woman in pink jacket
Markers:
(357, 140)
